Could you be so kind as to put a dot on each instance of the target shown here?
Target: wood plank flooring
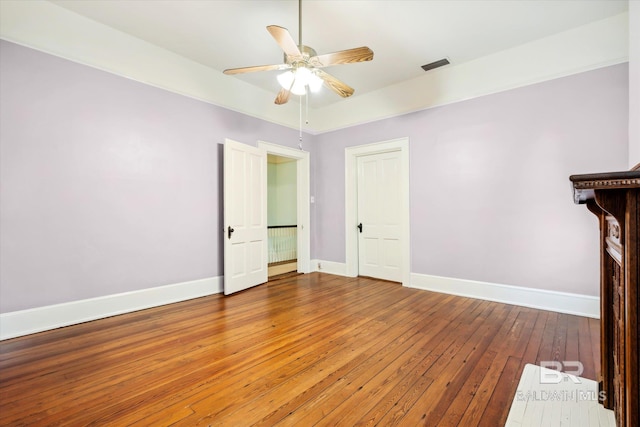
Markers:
(278, 268)
(312, 349)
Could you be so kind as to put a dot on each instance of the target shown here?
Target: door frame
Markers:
(351, 202)
(303, 199)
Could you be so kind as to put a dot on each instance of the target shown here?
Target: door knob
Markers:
(230, 230)
(360, 227)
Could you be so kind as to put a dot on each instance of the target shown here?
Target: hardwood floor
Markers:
(278, 268)
(306, 350)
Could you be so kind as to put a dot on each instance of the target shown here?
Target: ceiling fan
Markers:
(304, 65)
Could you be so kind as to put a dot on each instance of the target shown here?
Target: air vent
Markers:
(436, 64)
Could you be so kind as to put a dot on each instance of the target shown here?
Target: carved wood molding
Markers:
(593, 207)
(608, 183)
(584, 186)
(614, 203)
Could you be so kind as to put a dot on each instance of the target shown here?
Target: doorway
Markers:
(282, 222)
(393, 255)
(298, 161)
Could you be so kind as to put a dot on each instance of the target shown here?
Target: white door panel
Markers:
(380, 213)
(245, 213)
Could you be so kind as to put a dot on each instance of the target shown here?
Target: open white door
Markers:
(379, 216)
(245, 216)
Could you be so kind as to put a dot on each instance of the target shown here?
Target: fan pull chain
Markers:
(306, 113)
(300, 124)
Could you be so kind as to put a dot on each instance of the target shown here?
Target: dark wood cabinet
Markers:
(615, 199)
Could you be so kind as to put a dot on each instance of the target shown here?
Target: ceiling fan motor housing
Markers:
(307, 52)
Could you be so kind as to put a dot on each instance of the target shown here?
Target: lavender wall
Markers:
(107, 185)
(490, 195)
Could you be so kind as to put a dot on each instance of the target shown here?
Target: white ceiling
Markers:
(183, 46)
(403, 34)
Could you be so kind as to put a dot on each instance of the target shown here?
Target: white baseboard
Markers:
(331, 267)
(25, 322)
(561, 302)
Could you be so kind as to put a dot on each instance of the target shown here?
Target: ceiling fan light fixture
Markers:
(315, 83)
(285, 79)
(300, 78)
(299, 88)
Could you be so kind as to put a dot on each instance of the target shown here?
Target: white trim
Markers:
(561, 302)
(330, 267)
(351, 202)
(303, 196)
(25, 322)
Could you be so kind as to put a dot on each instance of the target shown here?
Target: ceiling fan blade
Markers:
(284, 40)
(257, 68)
(349, 56)
(283, 96)
(336, 85)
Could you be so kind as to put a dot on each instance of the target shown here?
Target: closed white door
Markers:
(379, 216)
(245, 216)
